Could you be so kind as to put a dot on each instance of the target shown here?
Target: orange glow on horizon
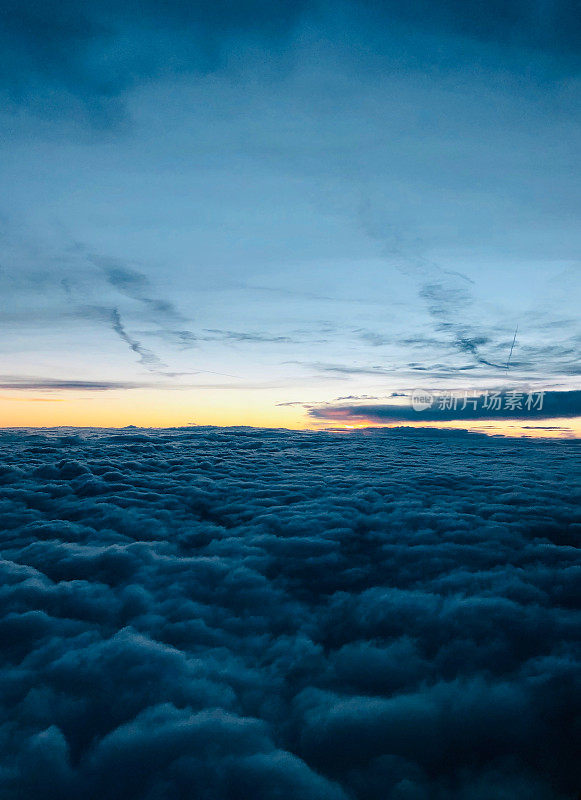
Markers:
(562, 428)
(145, 408)
(161, 409)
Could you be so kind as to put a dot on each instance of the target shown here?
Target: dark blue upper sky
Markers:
(267, 202)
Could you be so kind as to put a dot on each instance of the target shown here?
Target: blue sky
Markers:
(240, 206)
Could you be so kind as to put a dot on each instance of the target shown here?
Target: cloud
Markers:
(345, 369)
(447, 295)
(136, 285)
(146, 357)
(549, 404)
(552, 28)
(97, 51)
(212, 335)
(445, 304)
(128, 281)
(343, 398)
(54, 384)
(462, 323)
(184, 339)
(373, 338)
(236, 612)
(436, 370)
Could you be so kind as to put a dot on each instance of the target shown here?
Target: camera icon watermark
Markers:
(422, 399)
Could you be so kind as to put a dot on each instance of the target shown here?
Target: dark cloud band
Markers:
(478, 407)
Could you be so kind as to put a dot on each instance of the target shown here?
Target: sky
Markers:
(289, 214)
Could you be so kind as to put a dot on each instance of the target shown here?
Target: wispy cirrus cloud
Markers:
(78, 385)
(137, 286)
(215, 335)
(146, 356)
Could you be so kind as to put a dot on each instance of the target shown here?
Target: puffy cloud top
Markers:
(239, 613)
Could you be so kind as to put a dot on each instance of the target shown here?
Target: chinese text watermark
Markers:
(483, 401)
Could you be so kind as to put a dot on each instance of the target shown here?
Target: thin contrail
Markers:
(512, 347)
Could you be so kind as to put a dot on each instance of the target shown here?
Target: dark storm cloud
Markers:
(97, 49)
(553, 405)
(234, 613)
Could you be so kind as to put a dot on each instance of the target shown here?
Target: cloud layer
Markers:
(501, 405)
(240, 613)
